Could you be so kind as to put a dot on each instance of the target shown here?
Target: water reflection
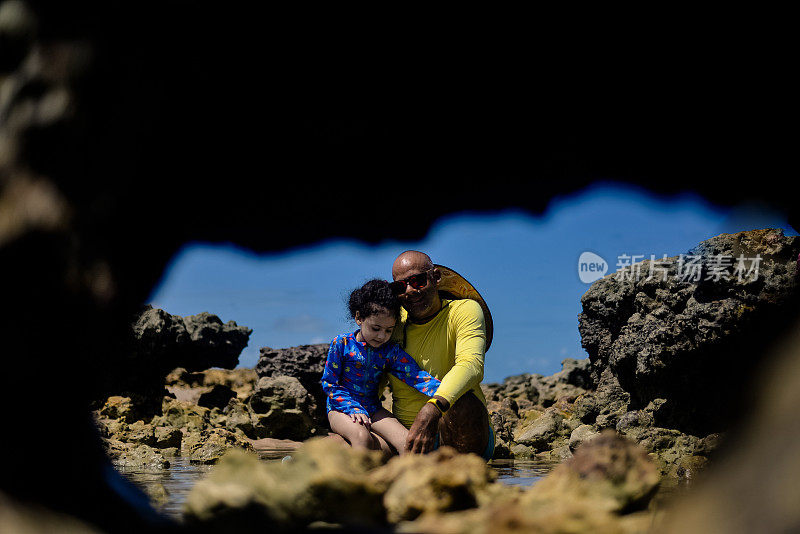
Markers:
(520, 472)
(172, 485)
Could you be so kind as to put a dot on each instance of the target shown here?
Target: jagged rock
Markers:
(611, 401)
(117, 407)
(580, 435)
(159, 342)
(191, 441)
(632, 423)
(306, 364)
(575, 372)
(177, 414)
(586, 408)
(504, 416)
(442, 481)
(280, 392)
(284, 408)
(111, 428)
(208, 446)
(709, 444)
(239, 417)
(502, 449)
(506, 407)
(517, 387)
(241, 380)
(529, 390)
(140, 456)
(166, 438)
(556, 451)
(668, 447)
(194, 342)
(689, 467)
(294, 425)
(753, 486)
(594, 491)
(610, 470)
(541, 431)
(323, 482)
(691, 342)
(141, 432)
(327, 482)
(519, 450)
(217, 397)
(170, 452)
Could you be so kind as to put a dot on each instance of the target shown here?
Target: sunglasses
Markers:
(418, 281)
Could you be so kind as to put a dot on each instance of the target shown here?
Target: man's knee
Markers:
(465, 426)
(467, 406)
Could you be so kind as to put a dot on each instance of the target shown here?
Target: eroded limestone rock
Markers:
(324, 482)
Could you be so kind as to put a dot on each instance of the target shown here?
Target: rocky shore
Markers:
(200, 413)
(666, 359)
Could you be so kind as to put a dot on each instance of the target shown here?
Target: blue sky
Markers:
(524, 266)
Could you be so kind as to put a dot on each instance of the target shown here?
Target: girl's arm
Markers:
(404, 367)
(340, 398)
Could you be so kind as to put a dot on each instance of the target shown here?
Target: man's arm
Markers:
(467, 372)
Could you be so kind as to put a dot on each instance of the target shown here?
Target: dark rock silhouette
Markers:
(159, 342)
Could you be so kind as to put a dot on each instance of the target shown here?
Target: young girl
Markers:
(356, 363)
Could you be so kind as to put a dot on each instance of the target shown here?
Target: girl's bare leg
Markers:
(389, 428)
(357, 434)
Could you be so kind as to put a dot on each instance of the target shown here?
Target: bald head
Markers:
(411, 260)
(420, 302)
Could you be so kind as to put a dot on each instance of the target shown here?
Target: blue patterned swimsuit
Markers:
(353, 370)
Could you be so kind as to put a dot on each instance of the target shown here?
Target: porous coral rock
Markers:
(437, 482)
(324, 481)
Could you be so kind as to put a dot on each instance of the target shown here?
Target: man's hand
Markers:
(422, 434)
(361, 419)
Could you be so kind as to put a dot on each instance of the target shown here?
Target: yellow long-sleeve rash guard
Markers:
(450, 347)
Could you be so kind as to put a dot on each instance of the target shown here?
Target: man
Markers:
(447, 338)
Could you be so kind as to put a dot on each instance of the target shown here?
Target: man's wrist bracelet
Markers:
(438, 403)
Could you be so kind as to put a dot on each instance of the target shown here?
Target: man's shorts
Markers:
(487, 454)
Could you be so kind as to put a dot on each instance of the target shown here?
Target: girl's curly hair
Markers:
(372, 298)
